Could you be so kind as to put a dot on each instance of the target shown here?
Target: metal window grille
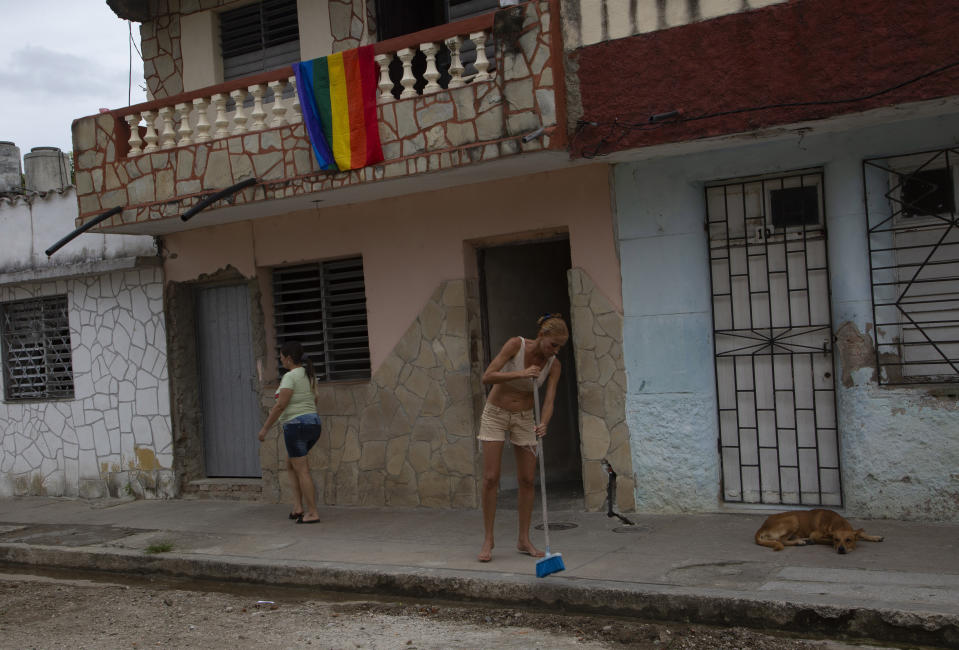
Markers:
(37, 355)
(778, 438)
(914, 264)
(259, 37)
(323, 306)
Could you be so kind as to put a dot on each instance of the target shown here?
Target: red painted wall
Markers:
(801, 51)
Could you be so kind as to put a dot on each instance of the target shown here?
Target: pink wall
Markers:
(410, 244)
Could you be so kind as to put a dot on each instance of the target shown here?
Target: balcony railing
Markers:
(445, 101)
(271, 99)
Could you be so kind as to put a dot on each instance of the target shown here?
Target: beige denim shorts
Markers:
(496, 422)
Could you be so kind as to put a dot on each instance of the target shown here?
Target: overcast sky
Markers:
(60, 60)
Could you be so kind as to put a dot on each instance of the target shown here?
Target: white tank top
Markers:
(517, 364)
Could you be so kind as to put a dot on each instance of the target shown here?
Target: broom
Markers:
(551, 562)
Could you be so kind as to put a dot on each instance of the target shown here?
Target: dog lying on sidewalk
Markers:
(803, 527)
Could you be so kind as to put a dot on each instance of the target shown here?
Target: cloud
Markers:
(45, 73)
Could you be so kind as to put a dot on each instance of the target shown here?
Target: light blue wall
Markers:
(899, 446)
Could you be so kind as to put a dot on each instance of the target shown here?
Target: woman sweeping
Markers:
(295, 408)
(509, 413)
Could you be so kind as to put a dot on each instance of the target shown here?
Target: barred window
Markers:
(323, 306)
(914, 260)
(37, 355)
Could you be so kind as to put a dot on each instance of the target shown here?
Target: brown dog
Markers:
(804, 527)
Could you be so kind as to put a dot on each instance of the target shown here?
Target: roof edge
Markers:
(136, 10)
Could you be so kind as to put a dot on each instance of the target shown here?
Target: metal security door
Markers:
(228, 396)
(773, 340)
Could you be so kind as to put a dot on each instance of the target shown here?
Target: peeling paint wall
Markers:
(899, 445)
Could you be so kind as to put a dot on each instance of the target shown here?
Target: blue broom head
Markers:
(552, 563)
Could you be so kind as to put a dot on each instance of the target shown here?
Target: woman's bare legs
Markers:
(301, 472)
(492, 461)
(295, 485)
(526, 477)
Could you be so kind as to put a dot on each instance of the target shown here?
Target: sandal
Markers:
(295, 516)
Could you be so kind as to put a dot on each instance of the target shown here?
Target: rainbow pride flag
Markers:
(338, 100)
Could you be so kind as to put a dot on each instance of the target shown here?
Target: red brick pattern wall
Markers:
(772, 60)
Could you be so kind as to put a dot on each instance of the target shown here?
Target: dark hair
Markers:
(551, 325)
(294, 350)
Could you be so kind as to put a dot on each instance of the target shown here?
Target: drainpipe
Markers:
(82, 229)
(611, 494)
(213, 198)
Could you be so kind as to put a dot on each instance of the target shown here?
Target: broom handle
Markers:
(542, 465)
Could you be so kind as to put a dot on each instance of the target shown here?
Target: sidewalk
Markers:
(696, 568)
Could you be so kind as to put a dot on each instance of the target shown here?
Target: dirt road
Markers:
(59, 612)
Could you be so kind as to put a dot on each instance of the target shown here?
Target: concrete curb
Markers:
(571, 595)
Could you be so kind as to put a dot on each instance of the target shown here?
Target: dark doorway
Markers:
(519, 283)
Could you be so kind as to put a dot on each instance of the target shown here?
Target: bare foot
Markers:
(486, 553)
(529, 549)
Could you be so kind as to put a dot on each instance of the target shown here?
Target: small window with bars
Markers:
(258, 37)
(914, 264)
(37, 355)
(323, 306)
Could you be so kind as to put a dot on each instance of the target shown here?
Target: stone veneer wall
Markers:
(352, 23)
(405, 438)
(113, 438)
(597, 331)
(445, 130)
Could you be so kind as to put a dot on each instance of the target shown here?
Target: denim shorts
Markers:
(301, 433)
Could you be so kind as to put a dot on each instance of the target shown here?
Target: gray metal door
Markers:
(773, 339)
(231, 416)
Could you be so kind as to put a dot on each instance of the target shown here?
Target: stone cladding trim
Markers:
(405, 438)
(597, 331)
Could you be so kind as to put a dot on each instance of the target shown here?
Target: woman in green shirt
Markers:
(295, 408)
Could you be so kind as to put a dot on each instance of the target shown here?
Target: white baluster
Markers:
(136, 144)
(221, 122)
(202, 119)
(185, 131)
(431, 74)
(258, 114)
(151, 135)
(386, 84)
(408, 80)
(296, 113)
(239, 117)
(481, 63)
(168, 133)
(456, 65)
(279, 107)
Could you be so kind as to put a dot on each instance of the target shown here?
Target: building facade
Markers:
(85, 397)
(785, 191)
(403, 277)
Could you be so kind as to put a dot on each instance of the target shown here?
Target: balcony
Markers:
(439, 125)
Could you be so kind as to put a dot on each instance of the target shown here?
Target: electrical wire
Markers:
(130, 60)
(629, 127)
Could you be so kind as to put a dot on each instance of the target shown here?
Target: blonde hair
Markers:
(552, 325)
